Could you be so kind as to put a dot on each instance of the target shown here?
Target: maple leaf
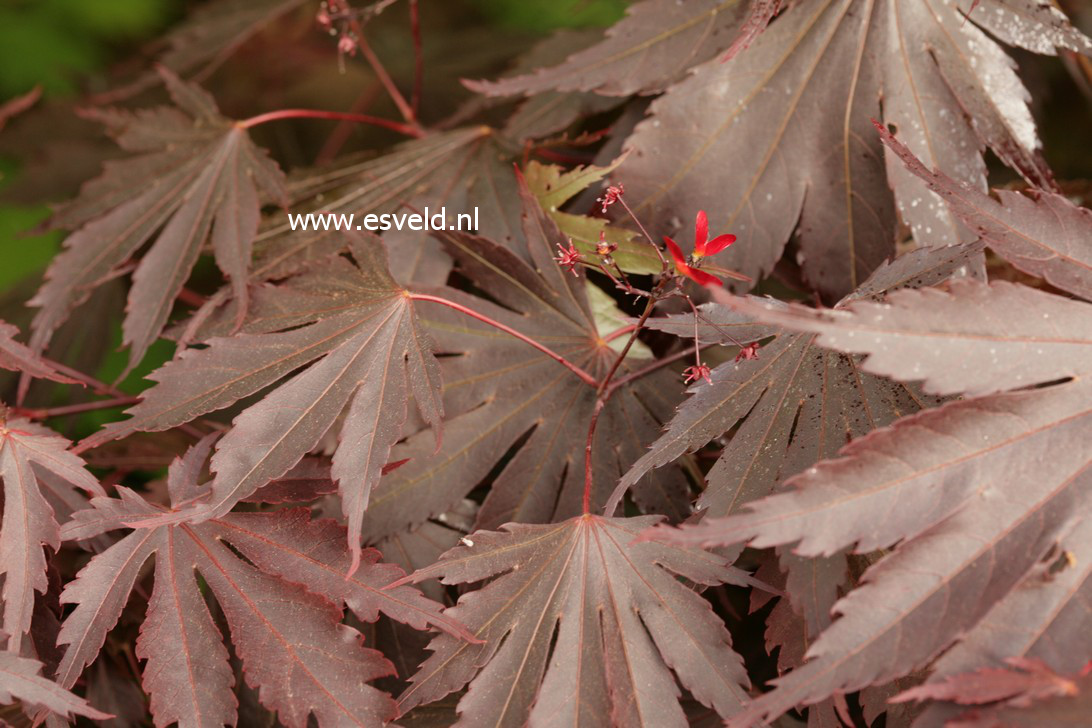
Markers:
(792, 114)
(553, 187)
(1041, 233)
(548, 112)
(1038, 26)
(792, 625)
(506, 401)
(1029, 693)
(215, 30)
(792, 383)
(369, 355)
(202, 42)
(197, 177)
(294, 650)
(970, 338)
(19, 680)
(1064, 710)
(974, 493)
(643, 53)
(20, 358)
(40, 476)
(1043, 620)
(581, 626)
(1031, 680)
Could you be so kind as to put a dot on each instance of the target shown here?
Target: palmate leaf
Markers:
(19, 358)
(39, 477)
(294, 650)
(553, 187)
(550, 112)
(1041, 233)
(974, 493)
(201, 43)
(20, 680)
(196, 178)
(643, 53)
(794, 405)
(1032, 24)
(582, 627)
(1028, 692)
(970, 338)
(508, 403)
(215, 30)
(1045, 619)
(369, 355)
(778, 140)
(459, 170)
(1031, 680)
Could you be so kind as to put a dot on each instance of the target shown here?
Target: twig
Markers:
(584, 376)
(407, 129)
(641, 227)
(341, 132)
(73, 409)
(418, 57)
(384, 78)
(599, 404)
(656, 366)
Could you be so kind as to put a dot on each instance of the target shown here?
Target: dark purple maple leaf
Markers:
(580, 625)
(974, 493)
(459, 169)
(791, 382)
(283, 605)
(369, 356)
(196, 177)
(1043, 620)
(504, 400)
(643, 53)
(1024, 682)
(1041, 232)
(20, 358)
(20, 680)
(760, 143)
(1026, 693)
(39, 477)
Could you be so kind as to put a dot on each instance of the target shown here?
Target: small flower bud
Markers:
(604, 247)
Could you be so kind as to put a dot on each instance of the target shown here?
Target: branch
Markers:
(72, 409)
(655, 366)
(413, 131)
(584, 376)
(418, 57)
(384, 78)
